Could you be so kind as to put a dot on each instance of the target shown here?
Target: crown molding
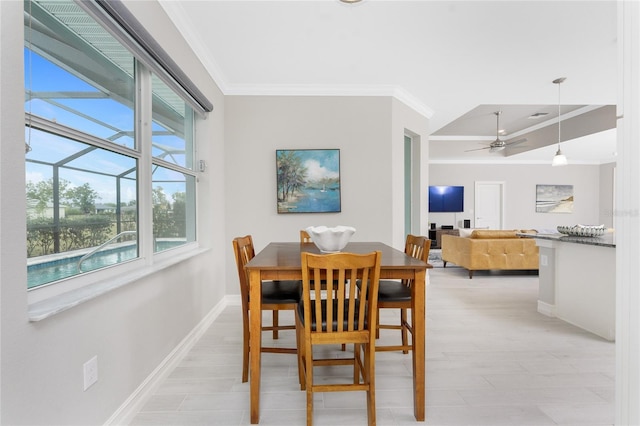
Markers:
(177, 15)
(412, 102)
(328, 90)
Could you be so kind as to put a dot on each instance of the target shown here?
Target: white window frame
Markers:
(58, 296)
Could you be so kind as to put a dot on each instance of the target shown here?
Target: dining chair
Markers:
(347, 316)
(397, 295)
(276, 296)
(305, 238)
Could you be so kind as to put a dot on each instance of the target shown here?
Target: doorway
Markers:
(408, 193)
(412, 184)
(489, 205)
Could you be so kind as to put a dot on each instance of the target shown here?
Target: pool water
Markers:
(46, 272)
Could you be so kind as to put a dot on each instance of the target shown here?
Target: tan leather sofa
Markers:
(490, 250)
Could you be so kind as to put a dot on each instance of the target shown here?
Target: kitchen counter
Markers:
(606, 240)
(578, 280)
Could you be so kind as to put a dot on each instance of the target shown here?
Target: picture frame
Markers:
(308, 181)
(554, 198)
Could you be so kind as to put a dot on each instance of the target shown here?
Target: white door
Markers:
(489, 208)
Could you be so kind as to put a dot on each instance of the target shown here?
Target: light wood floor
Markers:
(492, 359)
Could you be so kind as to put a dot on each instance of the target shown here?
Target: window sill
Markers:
(47, 308)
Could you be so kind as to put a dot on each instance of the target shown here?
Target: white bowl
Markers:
(330, 240)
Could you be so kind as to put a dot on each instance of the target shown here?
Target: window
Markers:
(173, 212)
(85, 152)
(172, 150)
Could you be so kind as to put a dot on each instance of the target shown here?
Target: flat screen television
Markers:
(446, 199)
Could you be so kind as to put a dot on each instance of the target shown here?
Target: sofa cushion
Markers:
(483, 234)
(465, 232)
(528, 231)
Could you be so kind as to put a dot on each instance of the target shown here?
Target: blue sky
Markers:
(44, 76)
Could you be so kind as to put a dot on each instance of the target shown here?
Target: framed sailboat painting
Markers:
(308, 180)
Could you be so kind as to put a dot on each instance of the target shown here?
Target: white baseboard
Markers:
(547, 309)
(233, 300)
(127, 411)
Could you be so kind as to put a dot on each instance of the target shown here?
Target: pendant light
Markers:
(559, 159)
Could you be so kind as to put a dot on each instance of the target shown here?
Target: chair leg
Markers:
(369, 352)
(275, 324)
(356, 364)
(378, 324)
(309, 382)
(403, 329)
(245, 352)
(300, 347)
(371, 407)
(309, 407)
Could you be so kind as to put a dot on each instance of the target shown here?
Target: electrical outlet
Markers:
(90, 372)
(543, 260)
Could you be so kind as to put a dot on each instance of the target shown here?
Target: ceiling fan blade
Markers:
(478, 149)
(517, 142)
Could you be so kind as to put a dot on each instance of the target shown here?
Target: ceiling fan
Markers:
(498, 144)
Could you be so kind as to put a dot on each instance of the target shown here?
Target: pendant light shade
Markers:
(559, 159)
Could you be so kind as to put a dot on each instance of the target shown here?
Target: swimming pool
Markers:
(54, 270)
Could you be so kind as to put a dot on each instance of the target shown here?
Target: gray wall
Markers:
(131, 329)
(368, 131)
(589, 182)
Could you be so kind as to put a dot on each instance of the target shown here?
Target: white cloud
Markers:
(316, 172)
(34, 177)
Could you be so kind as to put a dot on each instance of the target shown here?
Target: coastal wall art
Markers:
(554, 198)
(308, 180)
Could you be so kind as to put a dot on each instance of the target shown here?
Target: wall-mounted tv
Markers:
(446, 199)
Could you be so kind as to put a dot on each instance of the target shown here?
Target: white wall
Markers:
(520, 192)
(131, 329)
(369, 133)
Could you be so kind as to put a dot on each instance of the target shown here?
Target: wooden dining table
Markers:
(281, 261)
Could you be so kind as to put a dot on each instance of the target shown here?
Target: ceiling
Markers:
(456, 62)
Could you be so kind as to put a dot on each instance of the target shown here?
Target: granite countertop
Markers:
(606, 240)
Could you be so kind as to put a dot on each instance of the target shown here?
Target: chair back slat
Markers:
(364, 289)
(348, 309)
(317, 291)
